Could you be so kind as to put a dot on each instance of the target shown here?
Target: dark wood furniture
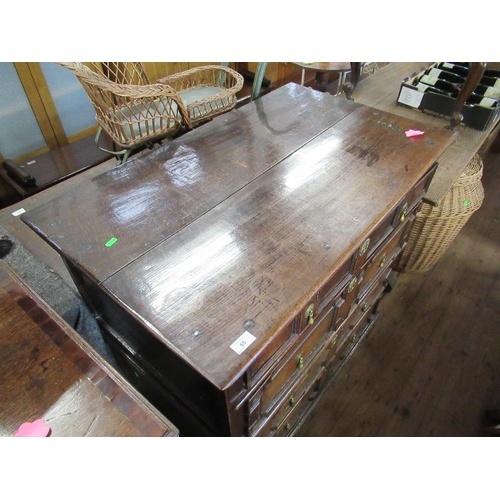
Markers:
(234, 269)
(325, 69)
(53, 167)
(48, 372)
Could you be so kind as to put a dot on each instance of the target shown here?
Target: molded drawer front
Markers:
(294, 363)
(383, 258)
(278, 342)
(333, 286)
(290, 400)
(380, 233)
(288, 425)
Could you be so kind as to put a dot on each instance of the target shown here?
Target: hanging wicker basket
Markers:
(435, 227)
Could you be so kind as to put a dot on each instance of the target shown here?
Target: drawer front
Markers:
(290, 400)
(384, 256)
(288, 425)
(380, 233)
(345, 302)
(412, 198)
(334, 285)
(364, 308)
(293, 365)
(266, 356)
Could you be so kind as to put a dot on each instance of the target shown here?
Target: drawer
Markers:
(350, 341)
(392, 220)
(413, 197)
(302, 323)
(336, 341)
(344, 303)
(267, 425)
(293, 365)
(280, 343)
(335, 284)
(378, 234)
(384, 256)
(288, 425)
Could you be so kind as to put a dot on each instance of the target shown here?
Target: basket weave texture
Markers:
(435, 227)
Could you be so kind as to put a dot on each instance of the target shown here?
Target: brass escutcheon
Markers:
(364, 247)
(334, 340)
(404, 212)
(300, 361)
(309, 314)
(352, 284)
(291, 401)
(382, 261)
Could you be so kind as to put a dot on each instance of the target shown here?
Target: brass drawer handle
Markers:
(352, 284)
(287, 426)
(291, 401)
(365, 307)
(334, 340)
(382, 261)
(364, 247)
(300, 362)
(309, 314)
(404, 212)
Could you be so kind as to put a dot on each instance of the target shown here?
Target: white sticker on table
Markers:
(242, 342)
(18, 212)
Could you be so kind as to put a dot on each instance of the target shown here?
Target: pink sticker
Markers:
(414, 133)
(33, 429)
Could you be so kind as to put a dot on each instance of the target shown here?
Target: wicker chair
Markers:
(136, 113)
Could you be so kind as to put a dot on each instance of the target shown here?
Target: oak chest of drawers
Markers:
(234, 269)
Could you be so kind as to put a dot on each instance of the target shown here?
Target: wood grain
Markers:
(48, 372)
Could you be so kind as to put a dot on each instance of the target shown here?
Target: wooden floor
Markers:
(431, 364)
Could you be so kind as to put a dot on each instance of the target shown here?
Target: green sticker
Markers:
(111, 242)
(465, 203)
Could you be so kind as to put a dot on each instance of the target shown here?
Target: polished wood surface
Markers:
(244, 211)
(381, 91)
(178, 183)
(48, 372)
(56, 166)
(234, 262)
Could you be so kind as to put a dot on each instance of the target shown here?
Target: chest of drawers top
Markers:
(232, 227)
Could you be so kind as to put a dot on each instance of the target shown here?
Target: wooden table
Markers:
(381, 90)
(55, 166)
(324, 69)
(232, 269)
(48, 372)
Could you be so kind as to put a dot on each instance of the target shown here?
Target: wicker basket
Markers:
(434, 228)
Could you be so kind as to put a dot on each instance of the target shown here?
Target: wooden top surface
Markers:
(381, 91)
(47, 372)
(148, 199)
(295, 193)
(325, 66)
